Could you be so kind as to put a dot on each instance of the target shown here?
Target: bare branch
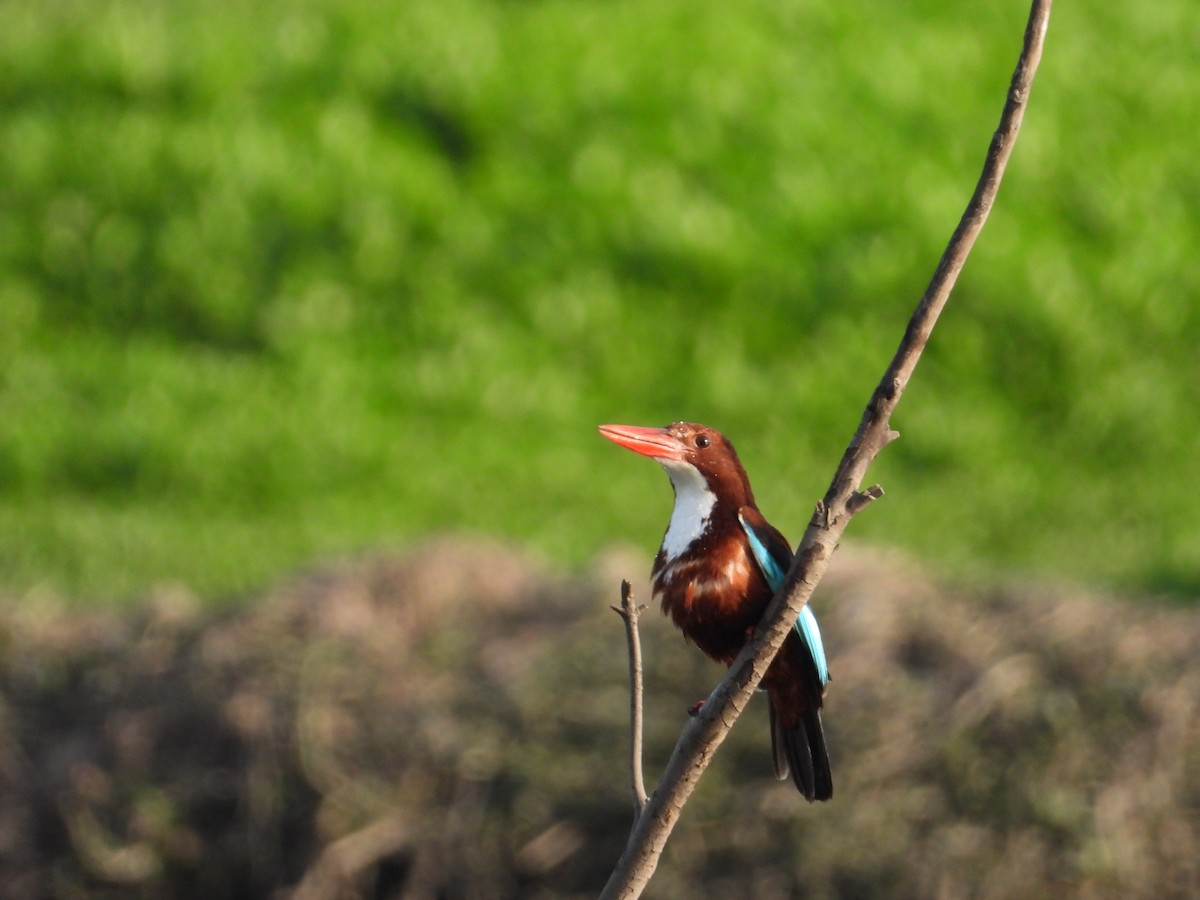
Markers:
(629, 611)
(704, 734)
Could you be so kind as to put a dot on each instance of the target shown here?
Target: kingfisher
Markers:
(719, 565)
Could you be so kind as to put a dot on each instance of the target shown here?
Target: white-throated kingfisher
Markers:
(719, 565)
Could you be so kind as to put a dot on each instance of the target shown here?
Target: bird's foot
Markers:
(694, 709)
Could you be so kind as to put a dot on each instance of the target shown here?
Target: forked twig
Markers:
(704, 734)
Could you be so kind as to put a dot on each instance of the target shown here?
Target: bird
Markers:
(719, 565)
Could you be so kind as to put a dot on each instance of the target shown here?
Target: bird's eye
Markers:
(702, 441)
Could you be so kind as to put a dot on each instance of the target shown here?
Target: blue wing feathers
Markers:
(774, 572)
(806, 626)
(766, 562)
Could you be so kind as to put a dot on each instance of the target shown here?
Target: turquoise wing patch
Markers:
(806, 625)
(766, 562)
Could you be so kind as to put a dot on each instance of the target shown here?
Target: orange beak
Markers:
(657, 443)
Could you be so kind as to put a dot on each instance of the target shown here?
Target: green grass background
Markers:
(281, 281)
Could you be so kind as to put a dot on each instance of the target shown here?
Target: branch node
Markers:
(859, 499)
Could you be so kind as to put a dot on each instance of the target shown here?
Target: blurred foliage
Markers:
(281, 280)
(452, 723)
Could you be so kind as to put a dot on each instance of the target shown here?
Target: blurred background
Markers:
(282, 281)
(289, 287)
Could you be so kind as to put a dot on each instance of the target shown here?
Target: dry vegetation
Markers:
(451, 723)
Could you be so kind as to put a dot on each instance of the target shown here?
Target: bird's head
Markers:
(687, 449)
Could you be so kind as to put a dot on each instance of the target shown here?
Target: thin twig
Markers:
(629, 611)
(704, 734)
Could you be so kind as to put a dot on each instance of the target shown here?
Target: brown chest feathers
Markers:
(715, 598)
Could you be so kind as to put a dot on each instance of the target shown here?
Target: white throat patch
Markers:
(694, 504)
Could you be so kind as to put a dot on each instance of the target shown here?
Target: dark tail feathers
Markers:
(801, 751)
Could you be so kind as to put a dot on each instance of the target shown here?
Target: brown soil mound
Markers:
(451, 723)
